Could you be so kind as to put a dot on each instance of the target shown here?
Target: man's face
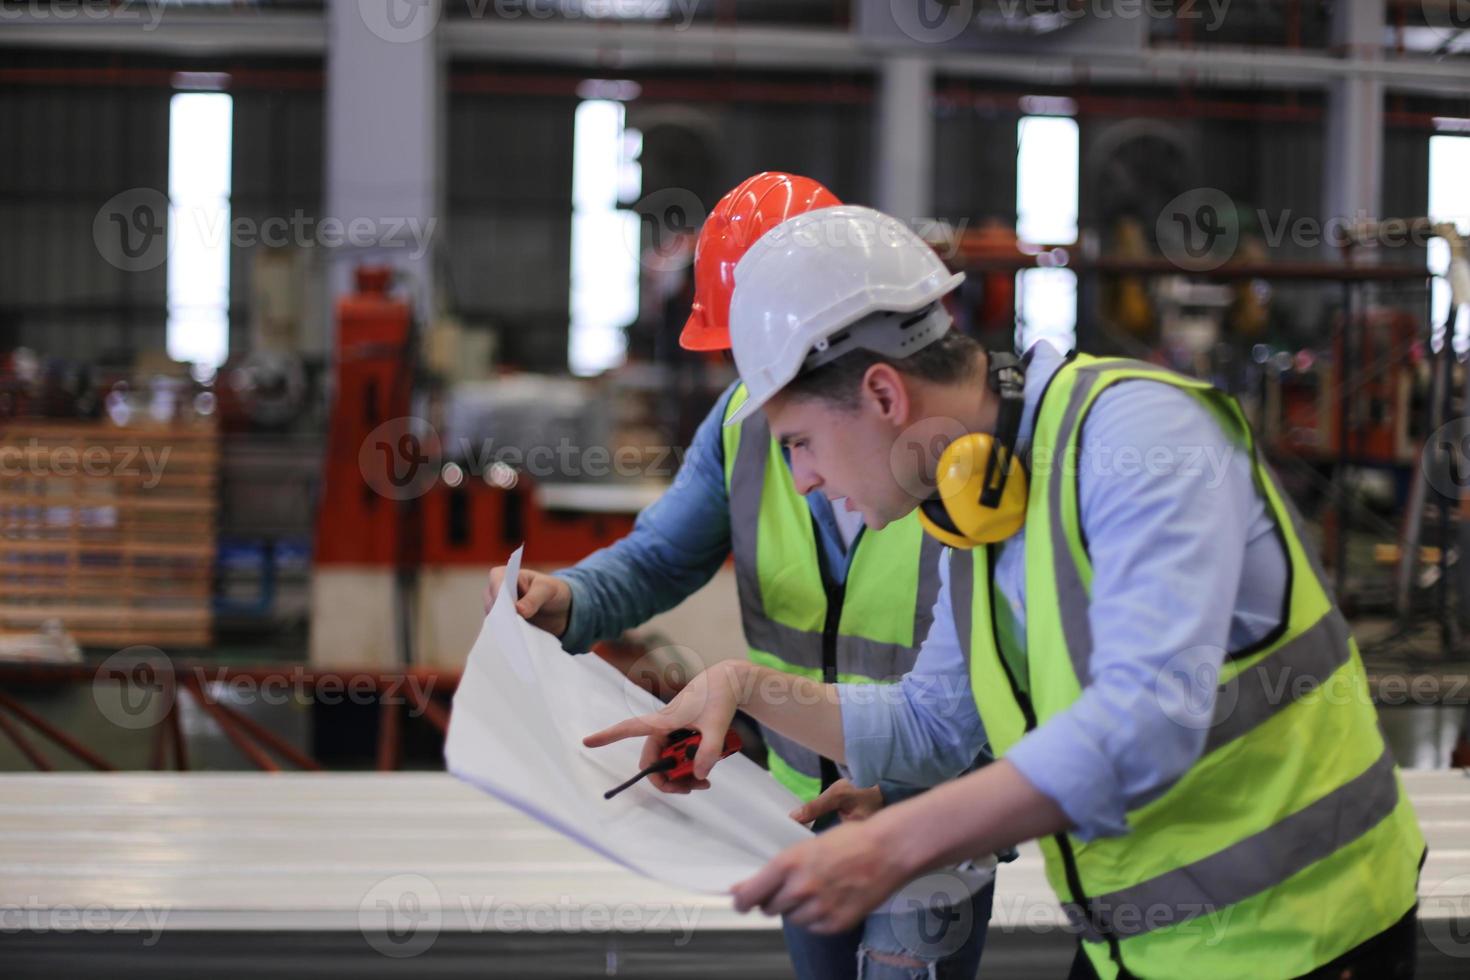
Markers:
(844, 452)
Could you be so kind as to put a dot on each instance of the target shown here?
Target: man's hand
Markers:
(827, 884)
(545, 600)
(849, 802)
(707, 703)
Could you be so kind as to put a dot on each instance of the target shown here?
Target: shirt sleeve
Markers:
(924, 729)
(1166, 501)
(677, 544)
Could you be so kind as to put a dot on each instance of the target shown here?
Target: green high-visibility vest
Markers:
(1290, 840)
(796, 617)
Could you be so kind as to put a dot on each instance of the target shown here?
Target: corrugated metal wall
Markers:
(509, 220)
(508, 165)
(276, 173)
(68, 150)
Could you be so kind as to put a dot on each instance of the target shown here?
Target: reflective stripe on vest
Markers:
(1290, 840)
(887, 601)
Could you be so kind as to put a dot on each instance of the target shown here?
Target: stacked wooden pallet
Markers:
(109, 529)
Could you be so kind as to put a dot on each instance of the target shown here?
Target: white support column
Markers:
(384, 104)
(383, 195)
(905, 137)
(1353, 152)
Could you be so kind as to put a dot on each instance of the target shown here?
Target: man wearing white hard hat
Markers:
(1128, 612)
(808, 577)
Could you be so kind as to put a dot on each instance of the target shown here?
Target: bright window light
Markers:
(199, 150)
(604, 287)
(1449, 200)
(1046, 213)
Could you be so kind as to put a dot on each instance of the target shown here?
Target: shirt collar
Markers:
(1044, 359)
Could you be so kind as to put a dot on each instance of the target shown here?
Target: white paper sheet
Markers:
(521, 710)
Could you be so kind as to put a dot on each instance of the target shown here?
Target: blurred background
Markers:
(310, 313)
(313, 311)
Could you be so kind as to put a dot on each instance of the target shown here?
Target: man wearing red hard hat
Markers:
(820, 596)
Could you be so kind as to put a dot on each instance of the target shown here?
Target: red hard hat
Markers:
(753, 208)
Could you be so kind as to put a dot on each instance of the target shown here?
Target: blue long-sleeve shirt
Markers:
(1186, 565)
(677, 544)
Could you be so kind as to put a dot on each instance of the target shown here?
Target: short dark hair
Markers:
(947, 360)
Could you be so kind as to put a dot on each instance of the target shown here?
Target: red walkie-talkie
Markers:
(677, 758)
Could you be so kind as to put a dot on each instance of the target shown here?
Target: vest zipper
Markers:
(1028, 714)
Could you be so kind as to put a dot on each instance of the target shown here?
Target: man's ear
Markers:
(885, 390)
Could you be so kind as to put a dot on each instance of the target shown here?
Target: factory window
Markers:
(1449, 200)
(605, 237)
(1046, 213)
(199, 149)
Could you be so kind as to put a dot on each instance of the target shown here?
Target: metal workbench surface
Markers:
(208, 859)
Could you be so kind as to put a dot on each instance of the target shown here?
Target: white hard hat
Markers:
(812, 277)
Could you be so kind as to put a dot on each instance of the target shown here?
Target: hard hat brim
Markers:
(699, 335)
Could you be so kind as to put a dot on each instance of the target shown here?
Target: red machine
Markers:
(387, 498)
(371, 448)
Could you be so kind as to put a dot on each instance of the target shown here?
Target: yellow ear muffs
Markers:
(980, 487)
(957, 514)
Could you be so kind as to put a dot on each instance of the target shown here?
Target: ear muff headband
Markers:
(980, 486)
